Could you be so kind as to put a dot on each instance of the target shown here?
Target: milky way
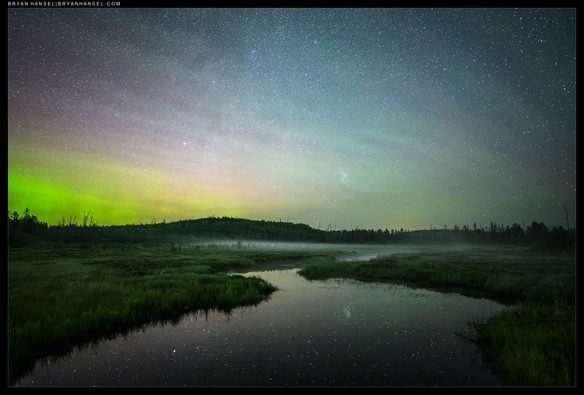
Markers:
(369, 118)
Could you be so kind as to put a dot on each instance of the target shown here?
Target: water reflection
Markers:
(308, 333)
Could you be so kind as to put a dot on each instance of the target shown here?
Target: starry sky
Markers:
(368, 118)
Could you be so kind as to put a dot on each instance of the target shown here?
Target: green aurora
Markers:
(375, 118)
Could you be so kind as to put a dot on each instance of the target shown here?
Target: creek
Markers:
(308, 333)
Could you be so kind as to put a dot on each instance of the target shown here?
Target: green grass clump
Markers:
(532, 343)
(68, 294)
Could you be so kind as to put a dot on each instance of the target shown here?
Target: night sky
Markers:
(369, 118)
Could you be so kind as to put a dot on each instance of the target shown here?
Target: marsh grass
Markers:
(531, 343)
(69, 294)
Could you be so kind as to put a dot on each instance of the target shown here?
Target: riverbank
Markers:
(531, 344)
(71, 293)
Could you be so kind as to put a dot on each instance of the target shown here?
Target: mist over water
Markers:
(342, 251)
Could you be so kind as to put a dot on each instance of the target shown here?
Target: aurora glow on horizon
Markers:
(369, 118)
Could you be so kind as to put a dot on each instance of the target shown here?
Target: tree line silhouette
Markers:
(27, 228)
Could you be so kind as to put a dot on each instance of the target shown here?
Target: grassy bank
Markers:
(65, 294)
(532, 343)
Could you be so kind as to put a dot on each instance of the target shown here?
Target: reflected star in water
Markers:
(347, 312)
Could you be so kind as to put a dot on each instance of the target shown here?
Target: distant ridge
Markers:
(27, 229)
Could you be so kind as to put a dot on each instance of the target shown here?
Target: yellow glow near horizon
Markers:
(54, 186)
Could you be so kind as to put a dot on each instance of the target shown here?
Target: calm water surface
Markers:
(323, 333)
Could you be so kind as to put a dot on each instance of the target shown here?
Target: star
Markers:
(249, 112)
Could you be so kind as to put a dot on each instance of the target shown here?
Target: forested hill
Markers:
(27, 228)
(225, 227)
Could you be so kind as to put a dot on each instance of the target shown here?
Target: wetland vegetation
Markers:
(72, 283)
(532, 343)
(66, 294)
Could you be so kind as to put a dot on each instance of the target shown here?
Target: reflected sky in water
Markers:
(323, 333)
